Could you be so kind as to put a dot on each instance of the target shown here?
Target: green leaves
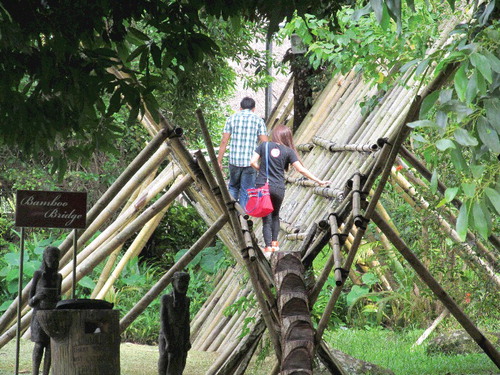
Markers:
(460, 82)
(494, 198)
(481, 222)
(492, 107)
(488, 135)
(482, 64)
(463, 221)
(463, 137)
(444, 144)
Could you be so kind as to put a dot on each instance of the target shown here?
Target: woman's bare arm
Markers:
(304, 171)
(254, 162)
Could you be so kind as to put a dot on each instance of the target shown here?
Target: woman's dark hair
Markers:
(247, 103)
(282, 134)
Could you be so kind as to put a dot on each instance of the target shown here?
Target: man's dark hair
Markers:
(247, 103)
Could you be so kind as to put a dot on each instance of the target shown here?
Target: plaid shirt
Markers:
(245, 128)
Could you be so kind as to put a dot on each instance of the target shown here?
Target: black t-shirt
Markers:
(280, 157)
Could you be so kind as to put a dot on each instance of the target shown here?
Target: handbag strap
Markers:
(267, 162)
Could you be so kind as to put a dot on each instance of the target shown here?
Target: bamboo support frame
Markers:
(440, 293)
(100, 215)
(396, 144)
(155, 291)
(341, 95)
(356, 201)
(320, 282)
(335, 243)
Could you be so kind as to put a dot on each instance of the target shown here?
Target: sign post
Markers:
(47, 209)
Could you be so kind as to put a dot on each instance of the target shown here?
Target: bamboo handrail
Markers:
(305, 147)
(321, 280)
(295, 236)
(334, 147)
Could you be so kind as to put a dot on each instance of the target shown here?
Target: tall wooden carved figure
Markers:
(174, 341)
(44, 294)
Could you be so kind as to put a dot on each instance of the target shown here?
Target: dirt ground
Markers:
(134, 360)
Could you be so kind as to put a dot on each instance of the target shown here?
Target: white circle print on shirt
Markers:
(275, 152)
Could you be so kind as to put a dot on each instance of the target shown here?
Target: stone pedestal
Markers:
(83, 342)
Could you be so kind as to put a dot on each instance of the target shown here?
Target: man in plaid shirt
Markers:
(244, 129)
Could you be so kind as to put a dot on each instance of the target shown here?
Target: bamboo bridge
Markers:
(339, 143)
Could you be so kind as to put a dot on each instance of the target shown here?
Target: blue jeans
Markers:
(241, 179)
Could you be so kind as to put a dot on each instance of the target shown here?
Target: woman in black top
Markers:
(281, 154)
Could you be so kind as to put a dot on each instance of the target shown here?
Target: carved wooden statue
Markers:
(44, 294)
(174, 341)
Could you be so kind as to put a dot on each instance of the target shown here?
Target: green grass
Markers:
(393, 351)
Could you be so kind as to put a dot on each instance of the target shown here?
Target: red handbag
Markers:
(259, 201)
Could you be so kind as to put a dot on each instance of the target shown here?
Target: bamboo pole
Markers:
(335, 243)
(10, 333)
(133, 251)
(330, 263)
(246, 346)
(96, 257)
(237, 331)
(211, 331)
(158, 184)
(234, 318)
(228, 360)
(208, 306)
(281, 100)
(431, 328)
(440, 293)
(108, 267)
(161, 284)
(124, 178)
(163, 179)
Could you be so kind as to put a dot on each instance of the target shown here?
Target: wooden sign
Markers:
(51, 209)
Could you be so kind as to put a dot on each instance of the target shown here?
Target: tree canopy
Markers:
(56, 87)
